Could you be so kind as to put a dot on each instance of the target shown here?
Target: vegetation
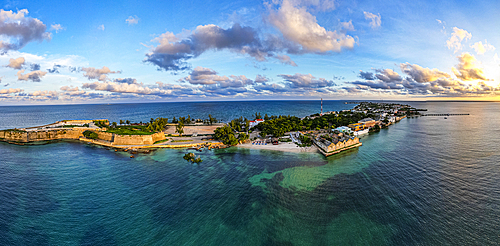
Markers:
(192, 158)
(375, 128)
(306, 141)
(161, 141)
(181, 140)
(242, 136)
(90, 134)
(226, 135)
(130, 130)
(180, 128)
(100, 123)
(156, 125)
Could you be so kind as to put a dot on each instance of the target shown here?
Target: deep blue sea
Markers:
(423, 181)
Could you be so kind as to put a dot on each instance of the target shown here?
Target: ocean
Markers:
(422, 181)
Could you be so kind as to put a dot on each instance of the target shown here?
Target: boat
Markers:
(445, 118)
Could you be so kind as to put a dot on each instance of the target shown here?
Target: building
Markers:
(343, 129)
(361, 132)
(255, 122)
(336, 144)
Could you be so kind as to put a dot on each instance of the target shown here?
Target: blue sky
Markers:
(58, 52)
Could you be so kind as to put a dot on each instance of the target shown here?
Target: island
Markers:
(328, 133)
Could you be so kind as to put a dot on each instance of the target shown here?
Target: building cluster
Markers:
(335, 142)
(381, 114)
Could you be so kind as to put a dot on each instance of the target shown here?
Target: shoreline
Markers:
(283, 147)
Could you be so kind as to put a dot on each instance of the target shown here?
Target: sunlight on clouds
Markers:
(481, 48)
(468, 69)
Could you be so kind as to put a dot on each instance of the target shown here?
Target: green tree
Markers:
(226, 135)
(180, 128)
(114, 124)
(128, 122)
(90, 134)
(121, 122)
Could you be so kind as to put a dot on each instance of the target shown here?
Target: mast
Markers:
(321, 107)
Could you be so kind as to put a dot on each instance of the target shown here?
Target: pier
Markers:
(443, 114)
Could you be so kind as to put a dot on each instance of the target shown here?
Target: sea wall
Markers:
(76, 133)
(138, 139)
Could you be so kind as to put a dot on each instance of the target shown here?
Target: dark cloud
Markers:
(366, 75)
(55, 68)
(34, 67)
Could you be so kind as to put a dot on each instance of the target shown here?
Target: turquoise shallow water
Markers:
(424, 181)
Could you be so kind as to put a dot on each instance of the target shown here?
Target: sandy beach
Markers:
(285, 147)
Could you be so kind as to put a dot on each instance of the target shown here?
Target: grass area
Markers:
(130, 130)
(179, 141)
(161, 141)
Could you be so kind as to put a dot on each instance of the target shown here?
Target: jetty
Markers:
(443, 114)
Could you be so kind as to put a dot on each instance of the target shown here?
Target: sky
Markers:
(62, 52)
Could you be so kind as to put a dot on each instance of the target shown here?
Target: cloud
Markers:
(299, 34)
(34, 66)
(55, 68)
(101, 27)
(286, 60)
(305, 81)
(68, 88)
(57, 27)
(174, 50)
(10, 91)
(301, 27)
(366, 75)
(131, 20)
(207, 76)
(96, 73)
(126, 80)
(34, 76)
(16, 63)
(467, 68)
(375, 19)
(455, 41)
(261, 79)
(347, 26)
(421, 74)
(20, 30)
(388, 75)
(481, 48)
(126, 88)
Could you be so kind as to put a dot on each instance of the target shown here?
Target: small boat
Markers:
(445, 118)
(131, 156)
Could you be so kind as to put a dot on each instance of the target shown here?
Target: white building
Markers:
(255, 122)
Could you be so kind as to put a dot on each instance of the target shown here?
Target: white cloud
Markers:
(375, 19)
(57, 27)
(455, 41)
(101, 27)
(481, 48)
(347, 26)
(131, 20)
(298, 25)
